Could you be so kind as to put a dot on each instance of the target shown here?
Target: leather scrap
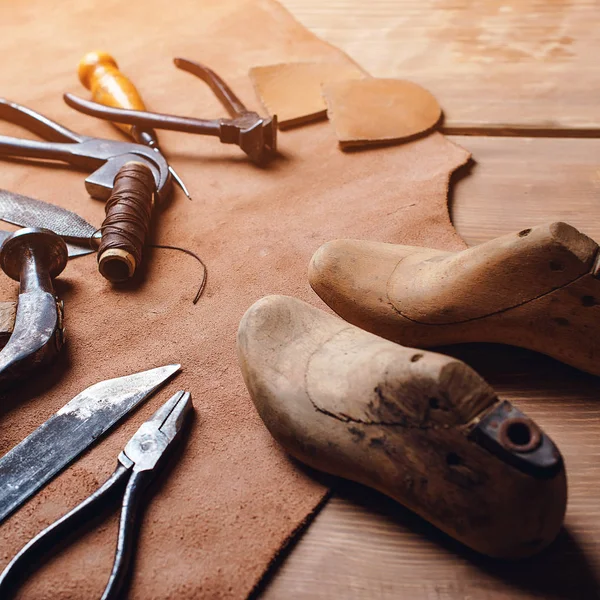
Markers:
(376, 111)
(233, 498)
(292, 91)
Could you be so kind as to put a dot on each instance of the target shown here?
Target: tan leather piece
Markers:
(375, 111)
(293, 91)
(225, 508)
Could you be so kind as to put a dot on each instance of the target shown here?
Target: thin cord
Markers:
(94, 246)
(190, 253)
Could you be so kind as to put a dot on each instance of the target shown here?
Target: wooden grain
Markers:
(509, 62)
(515, 183)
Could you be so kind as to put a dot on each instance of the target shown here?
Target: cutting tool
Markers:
(109, 160)
(137, 466)
(255, 135)
(80, 236)
(74, 428)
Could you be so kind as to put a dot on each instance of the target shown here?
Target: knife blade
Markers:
(24, 211)
(64, 436)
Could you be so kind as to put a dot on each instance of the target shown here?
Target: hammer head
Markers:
(100, 183)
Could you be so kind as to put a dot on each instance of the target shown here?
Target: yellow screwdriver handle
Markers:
(99, 73)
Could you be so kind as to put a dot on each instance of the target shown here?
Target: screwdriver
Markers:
(99, 73)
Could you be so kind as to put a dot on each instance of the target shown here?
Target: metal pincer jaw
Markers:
(33, 257)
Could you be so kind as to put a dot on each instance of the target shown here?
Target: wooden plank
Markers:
(493, 65)
(516, 183)
(510, 62)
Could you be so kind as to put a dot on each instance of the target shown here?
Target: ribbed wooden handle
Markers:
(99, 73)
(127, 222)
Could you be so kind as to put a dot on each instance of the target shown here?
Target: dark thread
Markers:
(128, 211)
(189, 253)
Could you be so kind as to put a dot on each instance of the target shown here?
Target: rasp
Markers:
(73, 429)
(28, 212)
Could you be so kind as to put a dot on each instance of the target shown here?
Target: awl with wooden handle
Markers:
(99, 72)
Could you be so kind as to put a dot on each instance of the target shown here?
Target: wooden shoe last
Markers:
(537, 289)
(418, 426)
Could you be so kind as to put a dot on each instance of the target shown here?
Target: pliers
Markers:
(102, 156)
(137, 467)
(255, 135)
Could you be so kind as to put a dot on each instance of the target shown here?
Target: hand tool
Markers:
(255, 135)
(137, 466)
(99, 73)
(74, 428)
(83, 238)
(127, 175)
(33, 257)
(421, 427)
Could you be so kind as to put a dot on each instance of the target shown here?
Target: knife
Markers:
(80, 236)
(74, 428)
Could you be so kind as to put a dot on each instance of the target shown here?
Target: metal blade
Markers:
(65, 435)
(28, 212)
(73, 249)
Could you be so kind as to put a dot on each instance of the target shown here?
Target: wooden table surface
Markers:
(532, 65)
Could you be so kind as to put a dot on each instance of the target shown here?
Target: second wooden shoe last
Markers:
(537, 289)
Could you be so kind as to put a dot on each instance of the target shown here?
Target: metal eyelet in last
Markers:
(520, 434)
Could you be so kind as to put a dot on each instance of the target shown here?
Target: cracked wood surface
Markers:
(363, 545)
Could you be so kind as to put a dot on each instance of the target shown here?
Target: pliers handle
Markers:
(61, 141)
(255, 135)
(36, 123)
(122, 482)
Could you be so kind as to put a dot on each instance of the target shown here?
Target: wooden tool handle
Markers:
(127, 222)
(99, 72)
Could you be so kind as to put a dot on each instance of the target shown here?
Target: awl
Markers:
(99, 73)
(73, 429)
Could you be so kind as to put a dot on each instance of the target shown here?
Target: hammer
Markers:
(33, 257)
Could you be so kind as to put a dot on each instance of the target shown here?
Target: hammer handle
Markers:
(127, 222)
(99, 72)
